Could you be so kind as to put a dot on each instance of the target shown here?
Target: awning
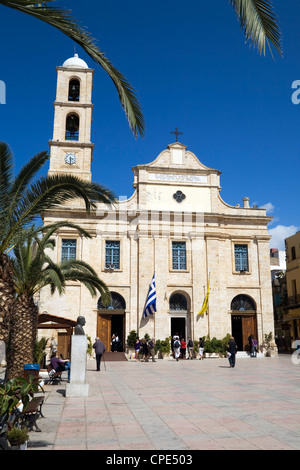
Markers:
(55, 321)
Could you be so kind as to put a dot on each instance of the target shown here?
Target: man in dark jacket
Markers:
(99, 350)
(231, 349)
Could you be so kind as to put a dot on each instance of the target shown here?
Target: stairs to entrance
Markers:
(114, 356)
(242, 355)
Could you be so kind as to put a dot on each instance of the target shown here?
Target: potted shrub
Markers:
(215, 347)
(131, 340)
(18, 437)
(163, 347)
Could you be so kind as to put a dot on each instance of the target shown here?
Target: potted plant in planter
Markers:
(18, 437)
(131, 340)
(12, 393)
(215, 347)
(163, 347)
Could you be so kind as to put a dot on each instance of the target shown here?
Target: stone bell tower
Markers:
(71, 149)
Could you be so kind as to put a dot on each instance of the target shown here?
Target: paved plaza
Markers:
(169, 405)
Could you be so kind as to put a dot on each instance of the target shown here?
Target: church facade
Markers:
(175, 225)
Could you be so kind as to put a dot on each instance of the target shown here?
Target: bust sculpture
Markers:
(79, 327)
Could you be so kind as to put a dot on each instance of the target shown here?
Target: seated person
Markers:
(59, 364)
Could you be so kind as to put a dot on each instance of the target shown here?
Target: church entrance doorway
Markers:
(179, 315)
(178, 326)
(243, 321)
(111, 321)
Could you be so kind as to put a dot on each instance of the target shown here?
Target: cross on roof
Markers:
(176, 132)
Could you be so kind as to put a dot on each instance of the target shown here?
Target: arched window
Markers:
(117, 302)
(74, 90)
(72, 127)
(242, 302)
(177, 302)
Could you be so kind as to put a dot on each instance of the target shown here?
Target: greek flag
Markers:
(150, 307)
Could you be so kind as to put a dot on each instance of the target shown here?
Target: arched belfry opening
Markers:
(111, 320)
(243, 320)
(74, 90)
(72, 127)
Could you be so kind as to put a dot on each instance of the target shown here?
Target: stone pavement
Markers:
(171, 405)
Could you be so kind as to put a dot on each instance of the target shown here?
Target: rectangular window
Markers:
(241, 257)
(112, 254)
(68, 249)
(293, 250)
(178, 255)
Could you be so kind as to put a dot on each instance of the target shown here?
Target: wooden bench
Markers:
(53, 375)
(31, 413)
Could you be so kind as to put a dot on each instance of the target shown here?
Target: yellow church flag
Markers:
(205, 302)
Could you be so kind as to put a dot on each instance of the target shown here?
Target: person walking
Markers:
(190, 345)
(201, 348)
(151, 349)
(99, 350)
(231, 349)
(144, 349)
(176, 346)
(183, 348)
(137, 348)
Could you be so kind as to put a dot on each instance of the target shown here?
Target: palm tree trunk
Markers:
(7, 296)
(23, 333)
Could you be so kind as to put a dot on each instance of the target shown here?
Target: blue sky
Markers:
(191, 68)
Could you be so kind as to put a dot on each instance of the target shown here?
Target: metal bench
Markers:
(31, 413)
(53, 375)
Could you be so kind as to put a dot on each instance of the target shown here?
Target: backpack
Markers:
(176, 344)
(151, 345)
(190, 343)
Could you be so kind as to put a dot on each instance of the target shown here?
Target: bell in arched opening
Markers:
(72, 127)
(74, 90)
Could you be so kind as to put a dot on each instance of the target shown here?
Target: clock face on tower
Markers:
(70, 158)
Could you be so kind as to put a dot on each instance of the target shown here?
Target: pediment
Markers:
(176, 156)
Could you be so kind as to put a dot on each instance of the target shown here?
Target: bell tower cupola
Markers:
(71, 150)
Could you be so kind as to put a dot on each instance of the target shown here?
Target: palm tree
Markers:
(60, 19)
(33, 269)
(22, 203)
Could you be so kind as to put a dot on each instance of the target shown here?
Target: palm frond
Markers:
(61, 20)
(34, 269)
(26, 175)
(47, 193)
(259, 22)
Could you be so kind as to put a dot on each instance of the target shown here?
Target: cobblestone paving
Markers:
(170, 405)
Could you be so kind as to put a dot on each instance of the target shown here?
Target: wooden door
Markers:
(63, 344)
(249, 328)
(104, 330)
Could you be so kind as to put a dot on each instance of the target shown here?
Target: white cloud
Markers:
(269, 207)
(279, 233)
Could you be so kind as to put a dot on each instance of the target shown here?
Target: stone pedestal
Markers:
(78, 386)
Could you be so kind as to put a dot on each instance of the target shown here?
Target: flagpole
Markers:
(207, 312)
(154, 260)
